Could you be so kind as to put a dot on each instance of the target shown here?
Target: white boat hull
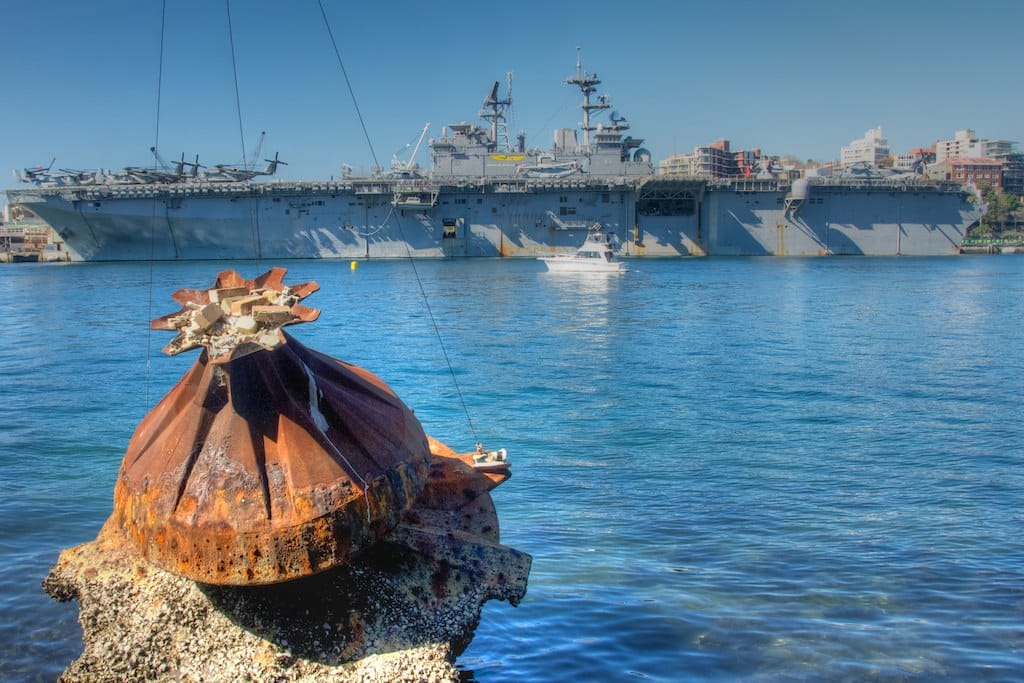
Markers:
(571, 264)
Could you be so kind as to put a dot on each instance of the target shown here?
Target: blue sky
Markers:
(790, 77)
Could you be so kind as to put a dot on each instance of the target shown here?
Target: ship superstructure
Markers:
(487, 195)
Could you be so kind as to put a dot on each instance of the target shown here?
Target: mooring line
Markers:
(152, 221)
(408, 251)
(254, 226)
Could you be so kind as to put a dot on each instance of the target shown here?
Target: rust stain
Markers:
(268, 461)
(237, 316)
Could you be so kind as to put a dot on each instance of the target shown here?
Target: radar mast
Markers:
(494, 110)
(587, 84)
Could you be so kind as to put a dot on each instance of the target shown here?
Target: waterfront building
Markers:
(1013, 173)
(963, 145)
(678, 164)
(968, 171)
(966, 144)
(26, 237)
(870, 149)
(716, 160)
(996, 149)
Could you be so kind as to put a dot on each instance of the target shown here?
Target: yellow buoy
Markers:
(353, 265)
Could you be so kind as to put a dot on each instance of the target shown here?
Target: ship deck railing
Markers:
(355, 185)
(901, 183)
(388, 186)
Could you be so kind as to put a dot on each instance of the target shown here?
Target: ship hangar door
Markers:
(453, 237)
(668, 216)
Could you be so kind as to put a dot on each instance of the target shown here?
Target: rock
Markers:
(401, 611)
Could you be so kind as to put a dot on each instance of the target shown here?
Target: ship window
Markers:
(276, 200)
(563, 200)
(479, 200)
(605, 198)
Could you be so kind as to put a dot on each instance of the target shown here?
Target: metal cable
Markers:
(398, 222)
(352, 94)
(152, 222)
(253, 220)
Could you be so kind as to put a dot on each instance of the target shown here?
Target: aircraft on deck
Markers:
(37, 175)
(224, 173)
(61, 178)
(180, 172)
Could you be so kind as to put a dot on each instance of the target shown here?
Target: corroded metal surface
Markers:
(268, 461)
(237, 316)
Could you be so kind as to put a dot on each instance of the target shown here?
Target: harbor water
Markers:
(757, 469)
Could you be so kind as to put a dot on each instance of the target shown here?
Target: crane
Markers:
(408, 166)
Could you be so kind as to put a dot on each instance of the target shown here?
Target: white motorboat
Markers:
(596, 255)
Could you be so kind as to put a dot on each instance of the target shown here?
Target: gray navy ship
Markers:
(487, 194)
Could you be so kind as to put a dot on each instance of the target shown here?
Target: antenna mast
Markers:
(494, 111)
(587, 84)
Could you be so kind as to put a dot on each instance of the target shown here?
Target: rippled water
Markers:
(754, 469)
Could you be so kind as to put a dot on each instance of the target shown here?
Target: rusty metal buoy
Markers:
(268, 461)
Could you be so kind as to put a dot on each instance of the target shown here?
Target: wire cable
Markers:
(152, 222)
(254, 225)
(348, 83)
(398, 222)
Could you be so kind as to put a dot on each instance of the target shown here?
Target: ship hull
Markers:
(657, 218)
(841, 221)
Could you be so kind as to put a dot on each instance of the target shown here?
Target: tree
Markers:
(1000, 208)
